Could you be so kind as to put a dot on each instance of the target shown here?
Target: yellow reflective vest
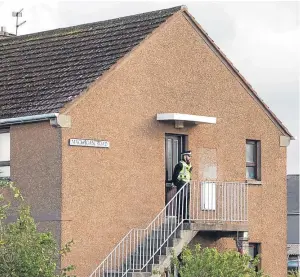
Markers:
(185, 174)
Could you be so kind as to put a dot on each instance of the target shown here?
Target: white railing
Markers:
(219, 201)
(197, 201)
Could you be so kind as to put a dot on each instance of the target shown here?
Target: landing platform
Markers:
(217, 226)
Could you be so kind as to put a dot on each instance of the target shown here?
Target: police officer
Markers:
(182, 175)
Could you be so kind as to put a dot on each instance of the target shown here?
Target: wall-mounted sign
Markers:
(89, 143)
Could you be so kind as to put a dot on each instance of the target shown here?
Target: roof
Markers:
(41, 72)
(293, 193)
(293, 221)
(293, 215)
(293, 249)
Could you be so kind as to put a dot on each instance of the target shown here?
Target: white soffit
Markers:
(186, 117)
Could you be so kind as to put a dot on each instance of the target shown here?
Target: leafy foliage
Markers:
(24, 251)
(208, 262)
(293, 273)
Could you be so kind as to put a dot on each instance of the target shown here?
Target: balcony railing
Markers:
(211, 201)
(220, 202)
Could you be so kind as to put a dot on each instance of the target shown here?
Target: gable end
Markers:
(211, 44)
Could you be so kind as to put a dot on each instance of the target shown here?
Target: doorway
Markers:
(174, 146)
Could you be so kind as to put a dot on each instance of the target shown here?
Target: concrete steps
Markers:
(161, 260)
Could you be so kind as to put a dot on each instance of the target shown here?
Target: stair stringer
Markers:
(178, 244)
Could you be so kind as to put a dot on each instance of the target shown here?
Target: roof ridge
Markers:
(71, 33)
(64, 36)
(14, 39)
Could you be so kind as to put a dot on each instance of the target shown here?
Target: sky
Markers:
(262, 39)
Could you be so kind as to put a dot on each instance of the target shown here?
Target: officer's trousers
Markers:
(183, 201)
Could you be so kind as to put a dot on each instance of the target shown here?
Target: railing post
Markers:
(186, 188)
(234, 201)
(222, 204)
(247, 191)
(231, 200)
(136, 253)
(198, 199)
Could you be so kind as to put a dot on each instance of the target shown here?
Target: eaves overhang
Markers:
(56, 119)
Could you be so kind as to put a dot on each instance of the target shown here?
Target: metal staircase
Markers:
(144, 252)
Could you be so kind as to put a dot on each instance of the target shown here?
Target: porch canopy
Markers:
(180, 119)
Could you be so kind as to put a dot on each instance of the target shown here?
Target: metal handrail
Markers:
(133, 231)
(198, 201)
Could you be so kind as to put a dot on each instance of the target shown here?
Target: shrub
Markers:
(208, 262)
(293, 273)
(24, 251)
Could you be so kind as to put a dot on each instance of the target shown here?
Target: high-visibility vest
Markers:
(185, 173)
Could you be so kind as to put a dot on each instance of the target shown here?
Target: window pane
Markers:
(251, 251)
(293, 264)
(4, 147)
(169, 159)
(250, 153)
(254, 250)
(4, 171)
(250, 172)
(175, 152)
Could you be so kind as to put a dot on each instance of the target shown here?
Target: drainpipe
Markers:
(56, 119)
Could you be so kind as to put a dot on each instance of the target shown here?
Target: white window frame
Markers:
(256, 164)
(5, 163)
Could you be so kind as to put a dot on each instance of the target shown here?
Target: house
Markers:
(93, 119)
(4, 33)
(293, 215)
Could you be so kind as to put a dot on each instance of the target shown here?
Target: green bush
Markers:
(23, 250)
(208, 262)
(293, 273)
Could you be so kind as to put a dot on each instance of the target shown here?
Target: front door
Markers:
(174, 145)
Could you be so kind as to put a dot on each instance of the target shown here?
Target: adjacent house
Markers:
(293, 216)
(4, 33)
(93, 119)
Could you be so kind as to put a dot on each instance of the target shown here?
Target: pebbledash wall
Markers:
(36, 170)
(106, 192)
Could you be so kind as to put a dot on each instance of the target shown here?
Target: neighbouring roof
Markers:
(293, 221)
(41, 72)
(293, 193)
(293, 215)
(293, 249)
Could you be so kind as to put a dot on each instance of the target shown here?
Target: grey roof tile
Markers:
(293, 187)
(41, 72)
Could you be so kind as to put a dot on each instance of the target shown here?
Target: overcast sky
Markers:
(260, 38)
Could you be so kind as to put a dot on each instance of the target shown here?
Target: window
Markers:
(253, 155)
(293, 264)
(254, 250)
(4, 153)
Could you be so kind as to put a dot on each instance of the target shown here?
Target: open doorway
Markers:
(174, 146)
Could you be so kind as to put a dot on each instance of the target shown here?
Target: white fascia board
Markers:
(186, 117)
(56, 119)
(27, 119)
